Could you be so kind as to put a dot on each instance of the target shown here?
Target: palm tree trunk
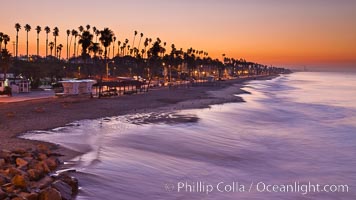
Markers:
(113, 50)
(38, 45)
(67, 47)
(17, 43)
(46, 45)
(55, 46)
(27, 47)
(70, 44)
(75, 46)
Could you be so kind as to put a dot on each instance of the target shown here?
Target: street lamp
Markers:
(107, 69)
(170, 73)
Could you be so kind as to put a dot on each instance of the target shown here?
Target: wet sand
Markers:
(43, 114)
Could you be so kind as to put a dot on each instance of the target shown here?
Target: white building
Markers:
(17, 84)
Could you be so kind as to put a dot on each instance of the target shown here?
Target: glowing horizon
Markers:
(272, 32)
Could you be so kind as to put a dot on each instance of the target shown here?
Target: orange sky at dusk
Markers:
(274, 32)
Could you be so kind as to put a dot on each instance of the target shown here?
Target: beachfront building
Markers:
(76, 87)
(17, 84)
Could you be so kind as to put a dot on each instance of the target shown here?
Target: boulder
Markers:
(19, 181)
(42, 156)
(71, 181)
(64, 189)
(52, 163)
(34, 174)
(42, 148)
(28, 196)
(8, 187)
(3, 180)
(41, 167)
(50, 194)
(2, 194)
(5, 154)
(2, 162)
(18, 198)
(19, 151)
(21, 162)
(44, 182)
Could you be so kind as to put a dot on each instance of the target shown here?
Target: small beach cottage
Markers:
(17, 84)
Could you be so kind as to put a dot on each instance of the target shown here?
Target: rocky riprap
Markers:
(28, 174)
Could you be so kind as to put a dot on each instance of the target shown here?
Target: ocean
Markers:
(293, 138)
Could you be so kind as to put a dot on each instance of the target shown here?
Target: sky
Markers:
(286, 33)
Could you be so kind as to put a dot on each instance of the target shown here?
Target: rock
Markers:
(19, 151)
(19, 181)
(50, 194)
(12, 171)
(33, 174)
(42, 148)
(44, 182)
(52, 163)
(45, 167)
(42, 156)
(21, 162)
(18, 198)
(8, 188)
(64, 189)
(3, 180)
(71, 181)
(2, 162)
(2, 194)
(41, 167)
(29, 196)
(5, 154)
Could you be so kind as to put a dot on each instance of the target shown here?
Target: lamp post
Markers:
(107, 69)
(170, 73)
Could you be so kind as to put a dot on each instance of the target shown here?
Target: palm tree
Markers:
(59, 51)
(51, 46)
(94, 29)
(113, 47)
(133, 42)
(48, 30)
(97, 33)
(6, 39)
(38, 29)
(17, 27)
(85, 41)
(106, 39)
(94, 47)
(75, 34)
(55, 34)
(140, 41)
(145, 44)
(1, 39)
(118, 47)
(68, 33)
(81, 29)
(27, 29)
(88, 27)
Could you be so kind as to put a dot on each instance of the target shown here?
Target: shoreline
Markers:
(17, 118)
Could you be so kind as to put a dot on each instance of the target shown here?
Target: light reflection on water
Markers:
(298, 127)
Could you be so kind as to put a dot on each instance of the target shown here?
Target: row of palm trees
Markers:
(86, 39)
(152, 55)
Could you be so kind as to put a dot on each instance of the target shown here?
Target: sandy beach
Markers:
(43, 114)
